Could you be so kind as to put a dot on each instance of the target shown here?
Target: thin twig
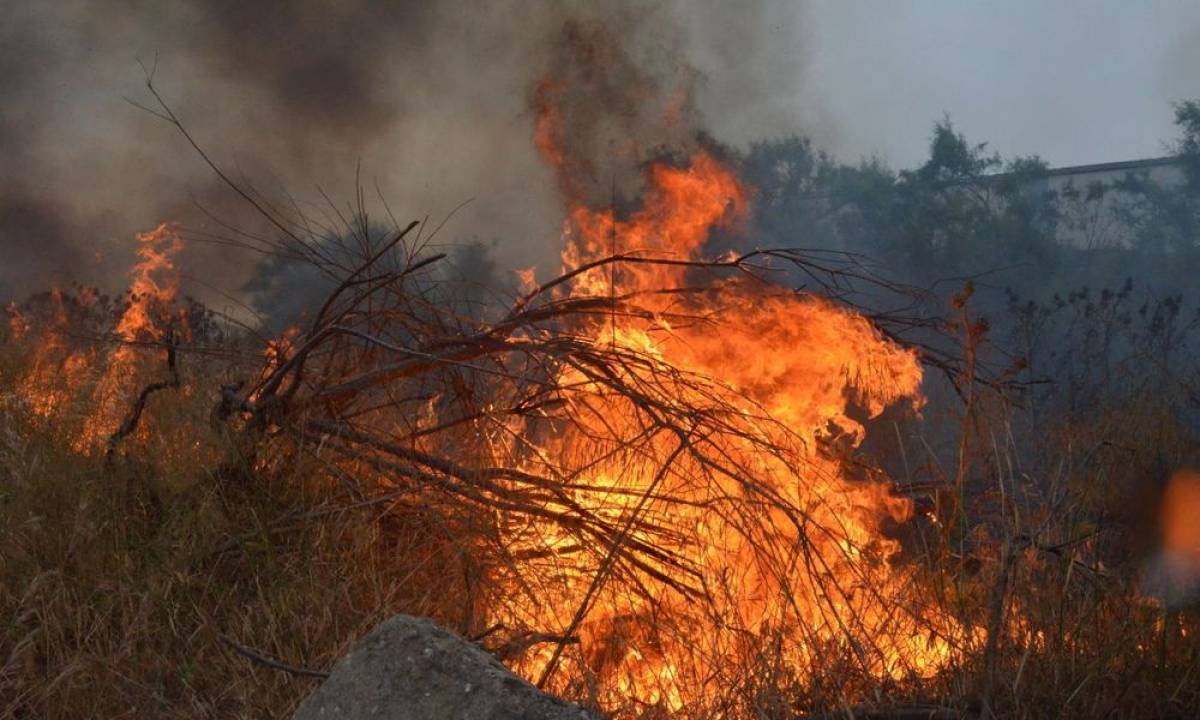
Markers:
(272, 663)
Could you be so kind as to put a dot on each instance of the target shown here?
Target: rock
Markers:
(408, 668)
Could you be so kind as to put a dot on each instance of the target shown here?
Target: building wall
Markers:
(1091, 218)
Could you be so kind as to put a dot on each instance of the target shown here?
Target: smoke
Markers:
(24, 220)
(1180, 59)
(755, 63)
(427, 104)
(607, 101)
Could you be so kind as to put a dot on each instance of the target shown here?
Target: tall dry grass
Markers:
(119, 580)
(122, 582)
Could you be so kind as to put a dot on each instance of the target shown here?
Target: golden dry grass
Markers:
(119, 580)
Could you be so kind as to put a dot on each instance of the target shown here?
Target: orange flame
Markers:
(57, 369)
(18, 325)
(1173, 576)
(151, 294)
(796, 365)
(1180, 510)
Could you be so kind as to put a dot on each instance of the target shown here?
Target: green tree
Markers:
(1165, 216)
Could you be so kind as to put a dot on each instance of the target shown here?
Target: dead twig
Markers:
(130, 423)
(261, 659)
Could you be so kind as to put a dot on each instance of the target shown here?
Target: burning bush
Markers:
(642, 461)
(643, 469)
(640, 483)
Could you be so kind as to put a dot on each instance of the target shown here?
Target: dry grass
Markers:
(118, 580)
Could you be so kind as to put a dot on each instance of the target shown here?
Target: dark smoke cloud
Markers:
(431, 97)
(325, 68)
(753, 64)
(610, 98)
(26, 223)
(24, 220)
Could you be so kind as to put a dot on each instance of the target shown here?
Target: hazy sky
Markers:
(1074, 81)
(433, 98)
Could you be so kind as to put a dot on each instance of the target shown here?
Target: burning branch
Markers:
(612, 479)
(640, 453)
(130, 423)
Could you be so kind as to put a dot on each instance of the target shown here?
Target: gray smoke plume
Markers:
(427, 103)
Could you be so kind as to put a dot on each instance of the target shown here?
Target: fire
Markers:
(1181, 532)
(526, 280)
(811, 561)
(1173, 576)
(57, 368)
(279, 349)
(18, 325)
(696, 499)
(66, 365)
(152, 293)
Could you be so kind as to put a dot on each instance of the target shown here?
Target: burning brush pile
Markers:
(644, 467)
(638, 483)
(650, 461)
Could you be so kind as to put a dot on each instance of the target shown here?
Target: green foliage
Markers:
(966, 211)
(1187, 148)
(954, 214)
(1165, 217)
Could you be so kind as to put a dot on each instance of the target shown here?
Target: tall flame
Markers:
(796, 365)
(152, 291)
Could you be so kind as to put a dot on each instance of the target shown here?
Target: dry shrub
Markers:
(317, 500)
(398, 455)
(119, 577)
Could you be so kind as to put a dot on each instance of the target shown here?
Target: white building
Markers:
(1090, 197)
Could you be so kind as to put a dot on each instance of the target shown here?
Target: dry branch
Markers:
(266, 661)
(130, 424)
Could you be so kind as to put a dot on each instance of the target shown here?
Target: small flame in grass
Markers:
(18, 325)
(57, 368)
(276, 352)
(279, 349)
